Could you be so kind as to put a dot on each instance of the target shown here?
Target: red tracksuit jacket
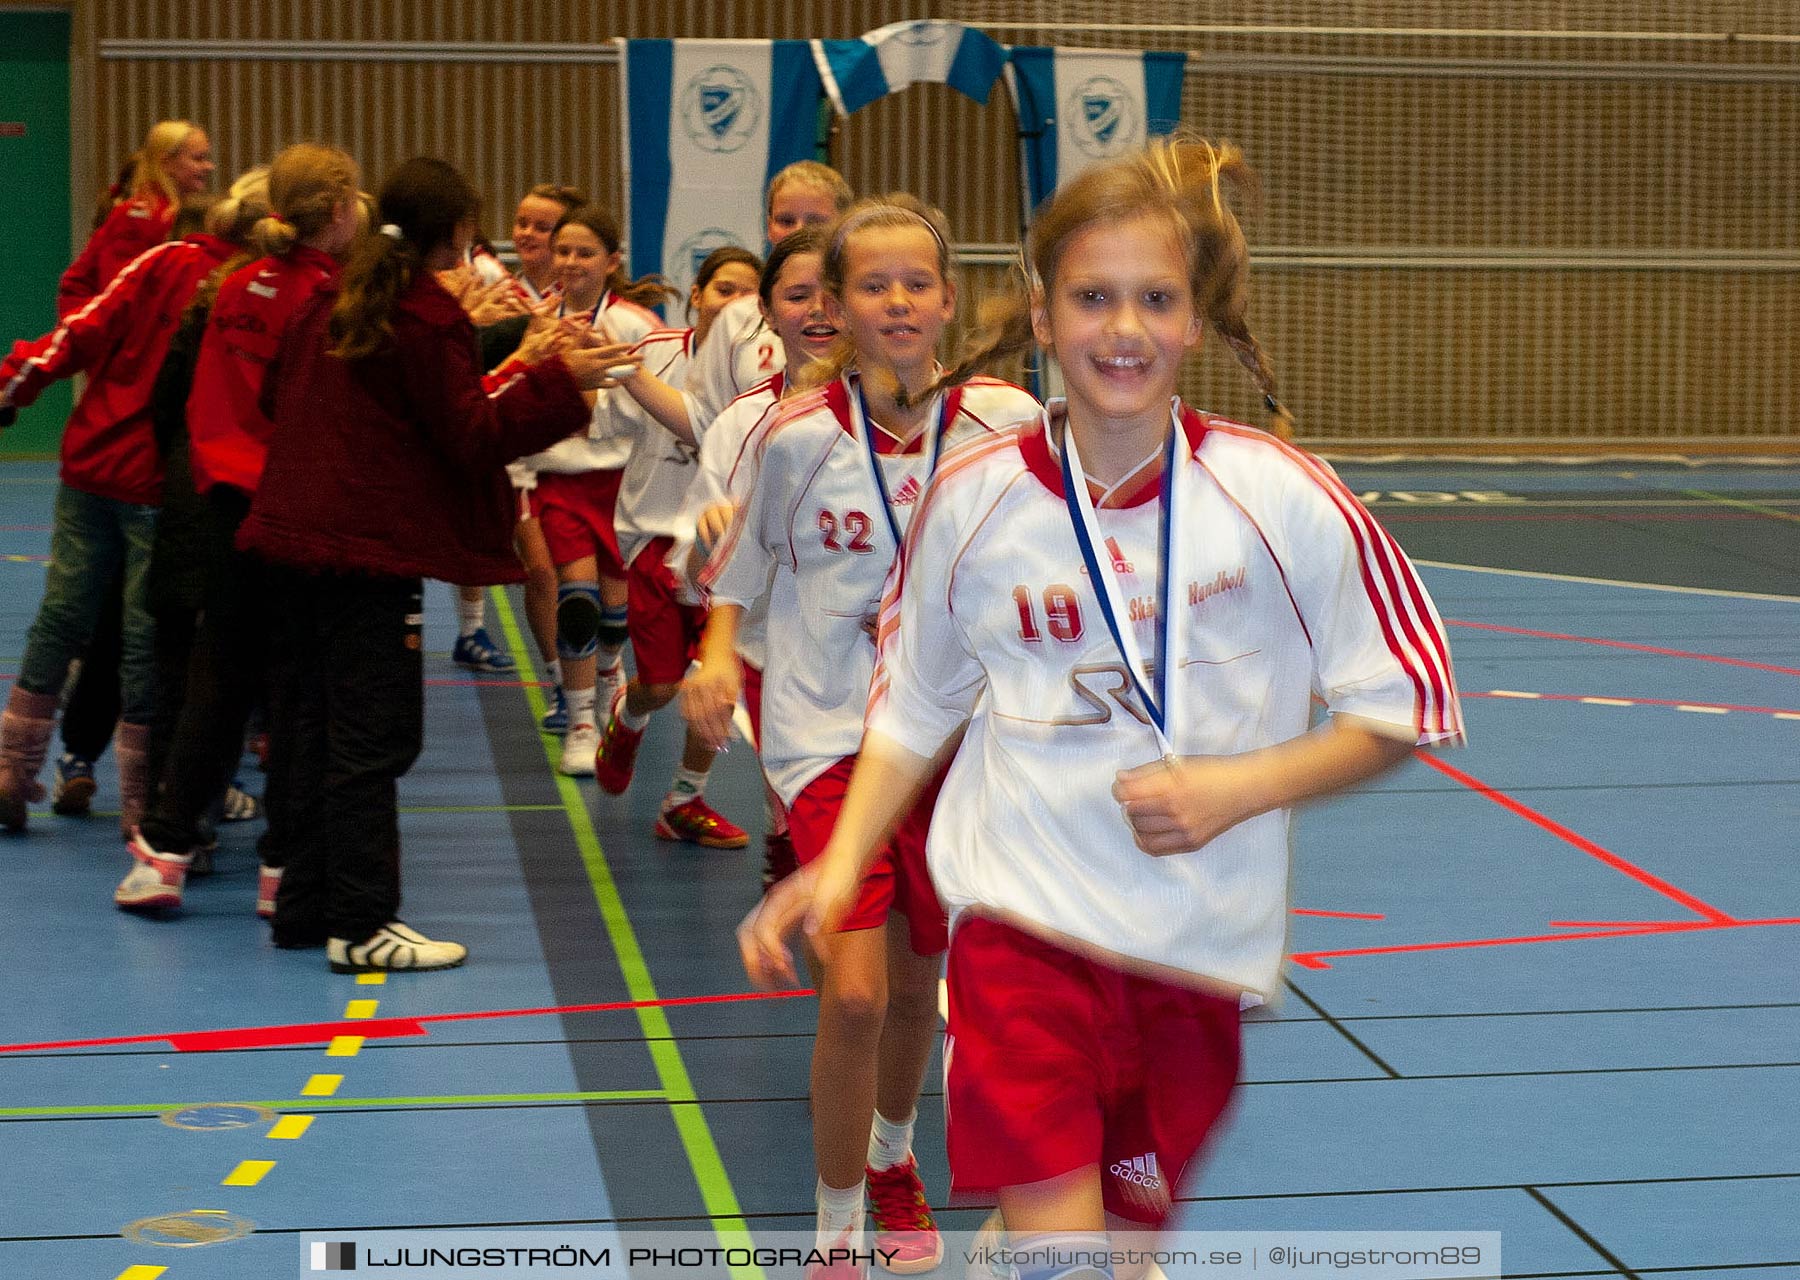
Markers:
(228, 434)
(119, 339)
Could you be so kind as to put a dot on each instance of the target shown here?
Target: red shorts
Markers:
(753, 698)
(1053, 1061)
(665, 634)
(898, 881)
(576, 512)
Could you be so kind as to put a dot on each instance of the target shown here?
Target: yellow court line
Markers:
(361, 1008)
(142, 1271)
(321, 1086)
(370, 979)
(344, 1047)
(289, 1127)
(248, 1173)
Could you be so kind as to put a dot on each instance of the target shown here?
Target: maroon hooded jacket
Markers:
(394, 464)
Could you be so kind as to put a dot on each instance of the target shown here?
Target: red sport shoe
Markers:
(617, 757)
(906, 1238)
(699, 823)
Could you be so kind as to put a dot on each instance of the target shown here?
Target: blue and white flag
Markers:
(707, 124)
(1079, 106)
(891, 58)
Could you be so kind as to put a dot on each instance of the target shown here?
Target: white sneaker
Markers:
(608, 685)
(580, 745)
(394, 946)
(155, 880)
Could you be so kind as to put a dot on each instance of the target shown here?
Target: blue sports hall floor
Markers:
(1547, 986)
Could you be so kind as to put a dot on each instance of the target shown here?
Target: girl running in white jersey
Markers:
(1122, 611)
(838, 473)
(793, 304)
(665, 629)
(578, 482)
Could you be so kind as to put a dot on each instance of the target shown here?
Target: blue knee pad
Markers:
(577, 620)
(612, 633)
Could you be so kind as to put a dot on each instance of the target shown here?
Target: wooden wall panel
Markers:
(1656, 206)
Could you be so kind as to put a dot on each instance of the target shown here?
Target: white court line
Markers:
(1609, 582)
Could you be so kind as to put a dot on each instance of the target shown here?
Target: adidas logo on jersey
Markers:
(908, 493)
(1140, 1171)
(1120, 563)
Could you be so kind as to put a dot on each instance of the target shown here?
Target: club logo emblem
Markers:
(684, 263)
(720, 108)
(1102, 117)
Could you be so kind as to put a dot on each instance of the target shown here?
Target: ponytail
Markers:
(420, 207)
(307, 184)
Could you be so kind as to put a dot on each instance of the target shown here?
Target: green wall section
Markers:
(34, 202)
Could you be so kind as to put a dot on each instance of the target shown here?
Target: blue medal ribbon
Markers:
(934, 445)
(1155, 694)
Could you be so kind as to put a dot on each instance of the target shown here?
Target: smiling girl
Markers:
(1122, 611)
(664, 629)
(174, 162)
(578, 482)
(836, 475)
(792, 297)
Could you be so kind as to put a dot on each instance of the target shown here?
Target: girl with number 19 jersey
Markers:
(1289, 589)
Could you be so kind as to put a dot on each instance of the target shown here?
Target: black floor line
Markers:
(782, 1100)
(1581, 1233)
(1339, 1027)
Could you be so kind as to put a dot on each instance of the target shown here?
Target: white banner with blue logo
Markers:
(901, 54)
(1080, 106)
(707, 124)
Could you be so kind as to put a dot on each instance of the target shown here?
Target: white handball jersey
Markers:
(815, 518)
(653, 490)
(612, 430)
(740, 352)
(718, 478)
(487, 267)
(1287, 589)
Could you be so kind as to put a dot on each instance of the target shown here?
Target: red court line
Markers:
(1655, 883)
(1338, 915)
(371, 1029)
(1636, 702)
(1621, 644)
(1318, 959)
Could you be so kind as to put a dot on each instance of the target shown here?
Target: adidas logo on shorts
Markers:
(1140, 1171)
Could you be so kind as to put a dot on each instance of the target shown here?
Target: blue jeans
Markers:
(94, 543)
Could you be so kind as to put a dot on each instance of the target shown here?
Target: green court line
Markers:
(1757, 507)
(481, 808)
(708, 1166)
(315, 1104)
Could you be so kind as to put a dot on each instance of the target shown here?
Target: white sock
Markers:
(635, 723)
(470, 614)
(581, 706)
(840, 1212)
(607, 658)
(553, 669)
(688, 784)
(890, 1141)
